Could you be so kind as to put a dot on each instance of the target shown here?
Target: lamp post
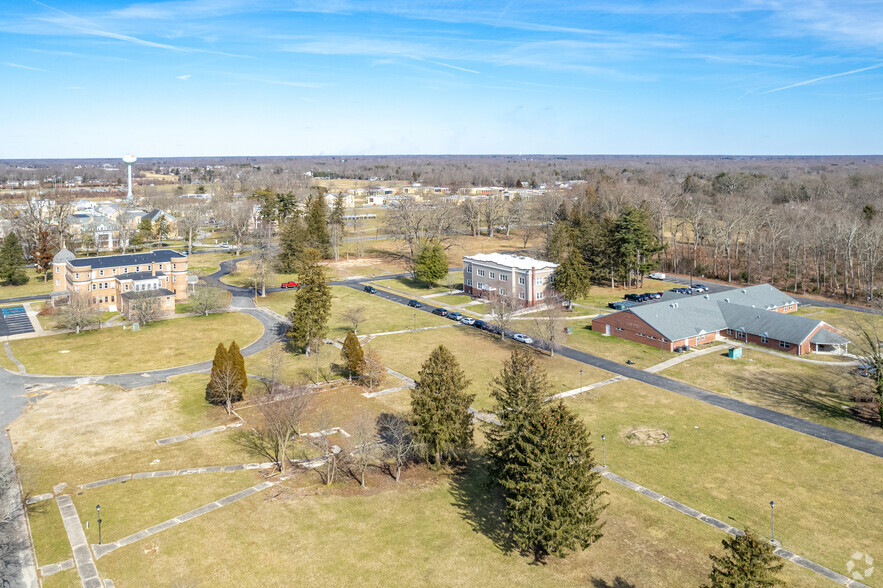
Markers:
(580, 380)
(604, 450)
(415, 321)
(98, 508)
(773, 521)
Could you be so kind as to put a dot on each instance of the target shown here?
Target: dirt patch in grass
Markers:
(645, 436)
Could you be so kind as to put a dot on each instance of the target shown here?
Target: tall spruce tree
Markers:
(312, 305)
(352, 354)
(292, 239)
(551, 493)
(573, 278)
(315, 216)
(518, 393)
(431, 264)
(440, 405)
(747, 562)
(12, 261)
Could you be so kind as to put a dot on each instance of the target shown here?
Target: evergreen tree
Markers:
(352, 354)
(634, 244)
(440, 405)
(238, 362)
(431, 264)
(292, 238)
(573, 278)
(748, 562)
(316, 221)
(518, 393)
(560, 242)
(312, 305)
(551, 493)
(12, 261)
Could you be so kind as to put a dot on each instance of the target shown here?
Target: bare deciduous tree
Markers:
(372, 369)
(332, 454)
(79, 312)
(281, 417)
(355, 316)
(398, 440)
(502, 310)
(205, 299)
(364, 443)
(549, 325)
(191, 216)
(144, 307)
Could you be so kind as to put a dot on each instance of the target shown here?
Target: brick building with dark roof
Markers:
(757, 315)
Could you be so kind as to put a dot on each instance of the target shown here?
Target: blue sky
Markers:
(253, 77)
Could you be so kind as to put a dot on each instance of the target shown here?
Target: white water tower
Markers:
(129, 160)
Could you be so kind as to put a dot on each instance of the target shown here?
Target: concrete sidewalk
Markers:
(682, 358)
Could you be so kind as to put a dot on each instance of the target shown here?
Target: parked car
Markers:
(370, 289)
(700, 288)
(414, 304)
(657, 276)
(522, 338)
(455, 316)
(619, 305)
(440, 311)
(224, 245)
(480, 324)
(492, 328)
(682, 349)
(291, 285)
(467, 320)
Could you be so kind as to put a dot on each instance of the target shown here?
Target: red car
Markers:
(291, 285)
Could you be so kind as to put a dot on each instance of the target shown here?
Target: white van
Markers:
(657, 276)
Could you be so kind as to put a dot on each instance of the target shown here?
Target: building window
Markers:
(618, 328)
(113, 298)
(125, 270)
(77, 276)
(521, 280)
(492, 275)
(481, 273)
(729, 331)
(56, 281)
(174, 265)
(764, 339)
(469, 283)
(173, 278)
(101, 272)
(784, 345)
(539, 295)
(480, 286)
(77, 289)
(539, 281)
(651, 337)
(521, 296)
(504, 277)
(137, 268)
(640, 334)
(469, 269)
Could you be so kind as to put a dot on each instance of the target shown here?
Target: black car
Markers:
(414, 304)
(479, 324)
(440, 311)
(370, 289)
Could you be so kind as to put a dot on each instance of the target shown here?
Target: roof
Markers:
(509, 260)
(147, 294)
(63, 256)
(157, 256)
(156, 213)
(826, 337)
(138, 276)
(747, 309)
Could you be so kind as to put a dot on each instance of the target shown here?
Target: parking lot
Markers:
(14, 321)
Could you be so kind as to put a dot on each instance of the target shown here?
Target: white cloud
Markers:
(20, 66)
(184, 77)
(814, 80)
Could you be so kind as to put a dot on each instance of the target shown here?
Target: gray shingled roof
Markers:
(63, 256)
(137, 276)
(147, 294)
(158, 256)
(826, 337)
(739, 308)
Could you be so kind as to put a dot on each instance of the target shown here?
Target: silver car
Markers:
(522, 338)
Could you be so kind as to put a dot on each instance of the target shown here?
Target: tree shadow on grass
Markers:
(617, 582)
(817, 396)
(481, 503)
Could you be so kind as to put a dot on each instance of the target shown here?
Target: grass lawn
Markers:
(614, 348)
(245, 271)
(138, 504)
(203, 264)
(819, 393)
(381, 315)
(162, 344)
(406, 353)
(848, 321)
(438, 534)
(34, 287)
(411, 286)
(730, 467)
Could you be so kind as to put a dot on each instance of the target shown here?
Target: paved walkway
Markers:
(20, 365)
(717, 524)
(682, 358)
(105, 548)
(587, 388)
(77, 537)
(181, 472)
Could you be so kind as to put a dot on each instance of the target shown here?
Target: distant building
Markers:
(490, 275)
